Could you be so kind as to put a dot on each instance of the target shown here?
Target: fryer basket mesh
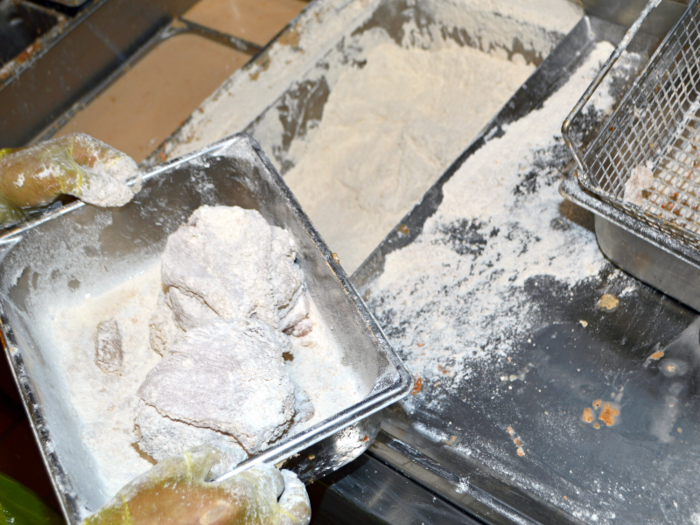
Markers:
(656, 127)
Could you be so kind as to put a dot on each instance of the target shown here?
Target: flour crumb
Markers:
(108, 346)
(641, 179)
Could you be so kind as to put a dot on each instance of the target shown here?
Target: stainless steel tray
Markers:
(290, 81)
(35, 267)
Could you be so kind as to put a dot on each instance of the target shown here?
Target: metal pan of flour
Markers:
(361, 106)
(82, 255)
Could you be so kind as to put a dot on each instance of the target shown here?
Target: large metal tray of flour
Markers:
(290, 81)
(89, 249)
(459, 436)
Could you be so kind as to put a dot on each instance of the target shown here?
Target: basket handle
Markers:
(622, 46)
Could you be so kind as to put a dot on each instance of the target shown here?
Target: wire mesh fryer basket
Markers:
(655, 130)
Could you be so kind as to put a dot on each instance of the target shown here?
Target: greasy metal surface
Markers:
(624, 471)
(368, 492)
(116, 244)
(73, 63)
(21, 23)
(461, 481)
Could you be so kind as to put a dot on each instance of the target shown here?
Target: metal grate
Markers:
(657, 127)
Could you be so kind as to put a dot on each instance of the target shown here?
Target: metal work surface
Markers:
(369, 492)
(96, 249)
(584, 408)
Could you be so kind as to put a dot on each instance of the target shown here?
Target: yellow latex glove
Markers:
(77, 165)
(175, 492)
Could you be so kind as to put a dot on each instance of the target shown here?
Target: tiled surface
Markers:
(135, 116)
(256, 21)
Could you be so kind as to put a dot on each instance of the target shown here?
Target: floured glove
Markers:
(175, 491)
(76, 164)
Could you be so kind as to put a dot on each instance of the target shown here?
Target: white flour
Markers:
(507, 27)
(454, 301)
(459, 308)
(494, 26)
(388, 131)
(105, 404)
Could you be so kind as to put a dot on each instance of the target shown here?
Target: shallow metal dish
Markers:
(95, 249)
(291, 80)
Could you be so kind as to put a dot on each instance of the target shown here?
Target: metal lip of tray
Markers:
(644, 244)
(657, 259)
(233, 171)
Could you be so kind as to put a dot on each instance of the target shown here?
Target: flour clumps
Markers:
(108, 346)
(229, 263)
(641, 179)
(232, 288)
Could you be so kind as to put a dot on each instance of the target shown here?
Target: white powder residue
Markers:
(316, 367)
(512, 27)
(105, 404)
(388, 131)
(451, 298)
